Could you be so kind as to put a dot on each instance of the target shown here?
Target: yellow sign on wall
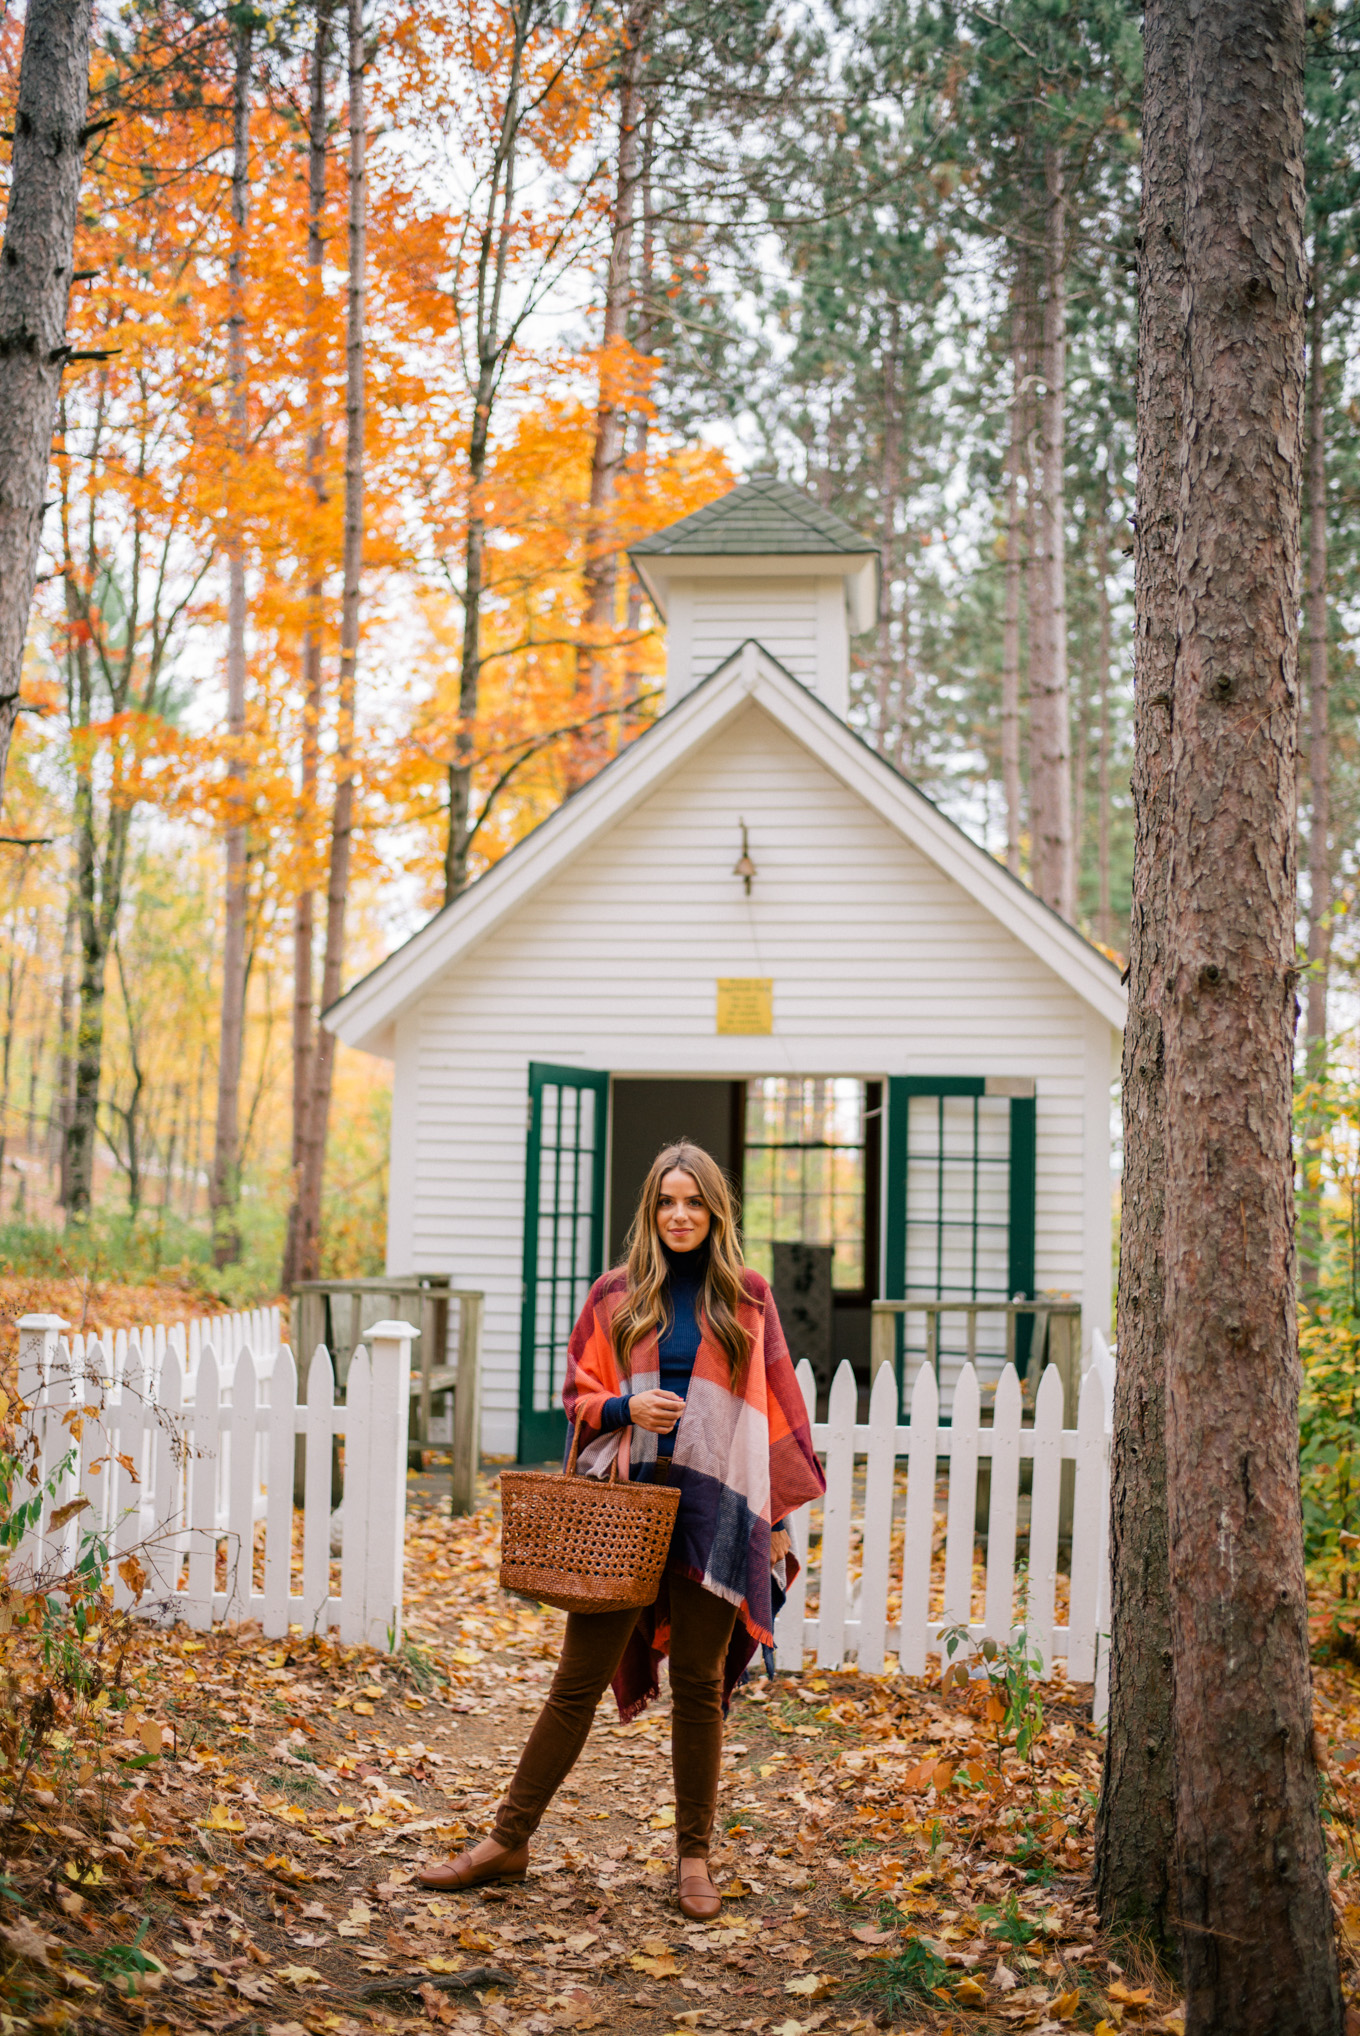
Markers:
(745, 1004)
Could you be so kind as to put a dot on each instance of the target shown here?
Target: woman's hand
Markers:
(781, 1544)
(658, 1411)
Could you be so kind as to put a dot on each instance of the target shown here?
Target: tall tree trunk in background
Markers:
(226, 1187)
(1081, 767)
(35, 290)
(1010, 620)
(312, 1170)
(1135, 1819)
(304, 911)
(1050, 790)
(59, 1122)
(645, 339)
(493, 260)
(602, 559)
(1104, 929)
(1038, 646)
(1319, 795)
(888, 485)
(1255, 1910)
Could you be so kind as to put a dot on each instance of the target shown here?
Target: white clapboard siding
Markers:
(180, 1466)
(880, 963)
(781, 614)
(841, 1629)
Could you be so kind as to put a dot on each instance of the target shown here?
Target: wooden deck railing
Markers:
(336, 1313)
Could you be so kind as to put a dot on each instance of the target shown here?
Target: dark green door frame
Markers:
(1021, 1189)
(564, 1165)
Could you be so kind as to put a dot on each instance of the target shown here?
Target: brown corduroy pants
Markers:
(701, 1627)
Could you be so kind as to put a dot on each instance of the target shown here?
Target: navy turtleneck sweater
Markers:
(679, 1343)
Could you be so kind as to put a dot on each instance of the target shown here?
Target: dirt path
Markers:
(881, 1867)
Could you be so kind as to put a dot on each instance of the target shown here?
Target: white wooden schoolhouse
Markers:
(751, 930)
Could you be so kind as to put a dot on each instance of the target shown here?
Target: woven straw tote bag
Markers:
(584, 1544)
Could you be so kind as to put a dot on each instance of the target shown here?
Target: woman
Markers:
(677, 1367)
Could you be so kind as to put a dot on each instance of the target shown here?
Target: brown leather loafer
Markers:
(465, 1872)
(695, 1892)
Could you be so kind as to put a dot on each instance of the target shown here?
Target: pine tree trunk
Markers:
(59, 1120)
(1050, 778)
(1319, 795)
(35, 289)
(469, 687)
(1038, 649)
(1255, 1910)
(304, 911)
(601, 570)
(312, 1171)
(1010, 622)
(226, 1187)
(493, 261)
(887, 569)
(1104, 928)
(633, 683)
(1081, 766)
(1135, 1821)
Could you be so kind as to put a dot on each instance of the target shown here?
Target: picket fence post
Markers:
(316, 1512)
(38, 1380)
(376, 1611)
(919, 1525)
(790, 1627)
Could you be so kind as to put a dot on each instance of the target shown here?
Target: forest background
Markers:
(494, 290)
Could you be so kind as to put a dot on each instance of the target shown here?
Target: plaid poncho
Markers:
(742, 1461)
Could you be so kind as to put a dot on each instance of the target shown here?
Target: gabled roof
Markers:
(759, 517)
(365, 1015)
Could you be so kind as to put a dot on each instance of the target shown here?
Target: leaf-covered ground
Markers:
(226, 1838)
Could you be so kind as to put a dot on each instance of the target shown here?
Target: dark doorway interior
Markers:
(649, 1114)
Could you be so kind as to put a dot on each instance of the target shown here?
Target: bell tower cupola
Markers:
(763, 562)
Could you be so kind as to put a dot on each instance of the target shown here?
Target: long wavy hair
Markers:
(644, 1305)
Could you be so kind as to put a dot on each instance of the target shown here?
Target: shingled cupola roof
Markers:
(761, 531)
(761, 517)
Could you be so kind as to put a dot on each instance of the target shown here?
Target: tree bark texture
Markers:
(884, 652)
(1255, 1909)
(493, 261)
(1050, 790)
(601, 574)
(35, 290)
(1104, 930)
(1135, 1823)
(1010, 620)
(644, 339)
(312, 1171)
(1319, 794)
(304, 910)
(225, 1185)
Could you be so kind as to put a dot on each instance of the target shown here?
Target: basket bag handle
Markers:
(613, 1477)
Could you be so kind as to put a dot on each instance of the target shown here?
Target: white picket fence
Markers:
(852, 1612)
(178, 1462)
(186, 1439)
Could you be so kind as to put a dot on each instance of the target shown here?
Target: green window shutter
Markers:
(1021, 1216)
(563, 1239)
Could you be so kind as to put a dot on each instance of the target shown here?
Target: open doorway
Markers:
(647, 1115)
(804, 1155)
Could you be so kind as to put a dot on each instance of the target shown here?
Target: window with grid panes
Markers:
(803, 1171)
(563, 1238)
(960, 1216)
